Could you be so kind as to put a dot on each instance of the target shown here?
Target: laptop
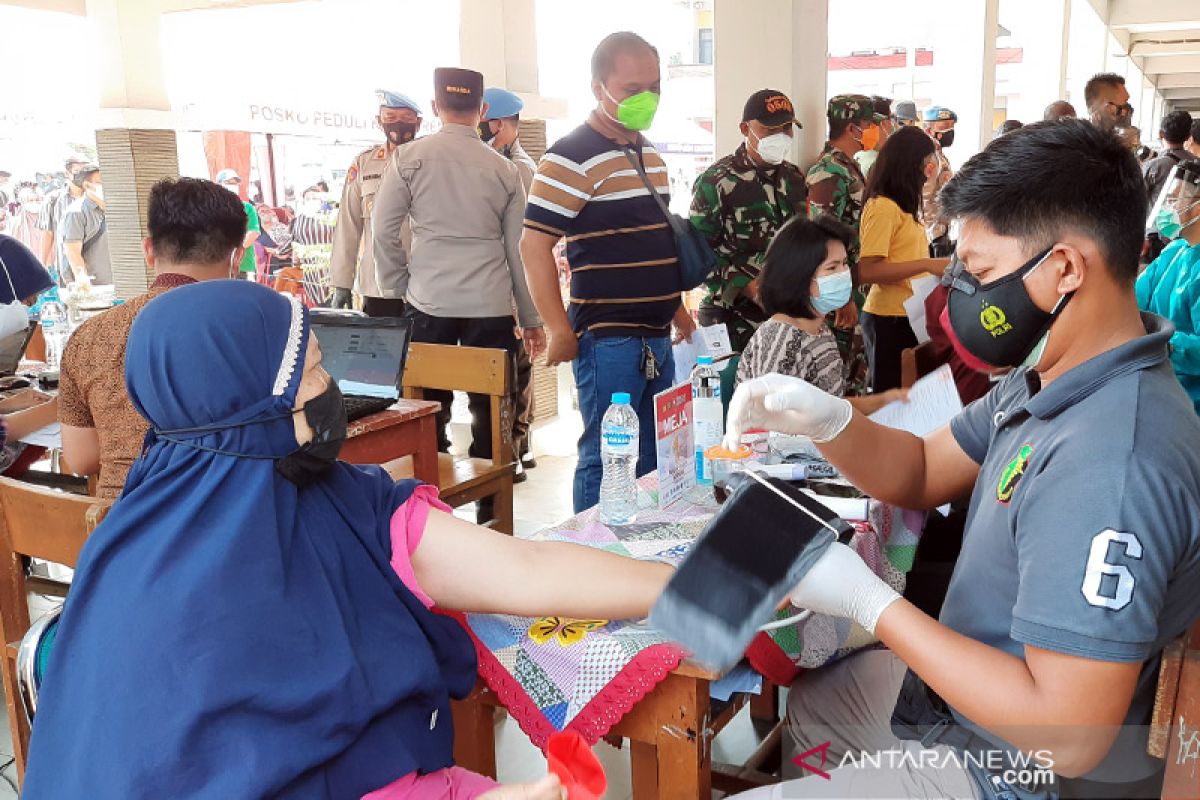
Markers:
(12, 350)
(365, 356)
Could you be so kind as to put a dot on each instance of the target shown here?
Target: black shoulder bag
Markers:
(696, 259)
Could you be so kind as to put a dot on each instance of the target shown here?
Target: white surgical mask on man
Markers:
(775, 148)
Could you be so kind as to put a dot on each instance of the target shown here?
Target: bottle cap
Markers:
(620, 398)
(704, 360)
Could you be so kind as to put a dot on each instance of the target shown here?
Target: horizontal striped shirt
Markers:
(624, 270)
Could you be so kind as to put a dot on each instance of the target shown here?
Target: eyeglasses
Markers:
(1122, 108)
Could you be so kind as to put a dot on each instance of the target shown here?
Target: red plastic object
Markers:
(576, 766)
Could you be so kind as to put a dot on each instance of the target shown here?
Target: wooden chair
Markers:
(1175, 725)
(480, 371)
(38, 523)
(917, 362)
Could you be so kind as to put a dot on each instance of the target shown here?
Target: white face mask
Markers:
(775, 148)
(234, 188)
(33, 206)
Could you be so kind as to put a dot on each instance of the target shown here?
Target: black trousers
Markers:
(885, 338)
(383, 307)
(495, 332)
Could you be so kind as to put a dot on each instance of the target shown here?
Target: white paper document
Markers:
(49, 437)
(915, 305)
(932, 402)
(711, 341)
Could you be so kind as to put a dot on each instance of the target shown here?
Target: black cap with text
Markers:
(770, 107)
(457, 88)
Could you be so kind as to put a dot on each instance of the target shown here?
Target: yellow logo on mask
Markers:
(994, 322)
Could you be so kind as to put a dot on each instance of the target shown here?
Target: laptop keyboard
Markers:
(359, 407)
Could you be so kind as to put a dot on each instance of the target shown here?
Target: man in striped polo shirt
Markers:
(625, 283)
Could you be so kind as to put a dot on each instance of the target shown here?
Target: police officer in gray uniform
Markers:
(352, 265)
(1081, 557)
(500, 128)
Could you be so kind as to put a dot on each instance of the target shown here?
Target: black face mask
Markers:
(326, 415)
(399, 133)
(946, 138)
(485, 131)
(997, 323)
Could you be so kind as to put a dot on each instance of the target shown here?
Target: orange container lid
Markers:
(719, 451)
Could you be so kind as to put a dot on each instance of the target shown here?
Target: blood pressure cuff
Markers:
(749, 557)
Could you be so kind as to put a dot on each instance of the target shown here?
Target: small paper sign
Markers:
(675, 443)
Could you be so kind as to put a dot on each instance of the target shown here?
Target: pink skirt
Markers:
(454, 783)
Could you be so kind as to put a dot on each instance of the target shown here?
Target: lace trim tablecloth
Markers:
(554, 674)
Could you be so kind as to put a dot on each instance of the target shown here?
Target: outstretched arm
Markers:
(470, 568)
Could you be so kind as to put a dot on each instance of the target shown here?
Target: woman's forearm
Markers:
(878, 269)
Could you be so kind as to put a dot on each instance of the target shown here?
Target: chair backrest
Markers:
(917, 362)
(39, 523)
(477, 370)
(1175, 724)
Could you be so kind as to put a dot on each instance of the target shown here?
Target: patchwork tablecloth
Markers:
(554, 674)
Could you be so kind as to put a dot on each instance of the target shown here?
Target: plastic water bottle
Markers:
(707, 414)
(619, 453)
(54, 330)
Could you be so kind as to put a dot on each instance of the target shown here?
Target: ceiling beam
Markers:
(1178, 80)
(1175, 47)
(1166, 65)
(1135, 14)
(171, 6)
(1192, 93)
(76, 7)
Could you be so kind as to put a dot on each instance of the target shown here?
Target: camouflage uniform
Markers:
(837, 187)
(931, 209)
(739, 206)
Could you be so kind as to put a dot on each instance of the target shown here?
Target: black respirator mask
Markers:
(997, 325)
(485, 131)
(399, 133)
(311, 461)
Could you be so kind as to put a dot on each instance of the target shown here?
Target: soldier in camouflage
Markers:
(939, 124)
(837, 187)
(739, 203)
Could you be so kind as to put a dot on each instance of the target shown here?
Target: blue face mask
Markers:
(835, 291)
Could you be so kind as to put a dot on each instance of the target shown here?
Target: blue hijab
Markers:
(27, 275)
(229, 635)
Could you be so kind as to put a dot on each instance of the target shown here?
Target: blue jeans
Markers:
(606, 365)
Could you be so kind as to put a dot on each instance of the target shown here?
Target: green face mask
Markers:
(1168, 223)
(636, 112)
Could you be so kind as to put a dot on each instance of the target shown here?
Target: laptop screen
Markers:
(12, 350)
(364, 359)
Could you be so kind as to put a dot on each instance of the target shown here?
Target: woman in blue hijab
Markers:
(239, 627)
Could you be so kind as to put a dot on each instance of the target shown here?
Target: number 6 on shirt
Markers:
(1098, 566)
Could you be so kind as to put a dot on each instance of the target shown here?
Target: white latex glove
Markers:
(842, 585)
(788, 405)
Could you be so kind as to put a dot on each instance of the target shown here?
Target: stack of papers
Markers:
(932, 402)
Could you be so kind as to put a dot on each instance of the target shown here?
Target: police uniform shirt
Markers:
(465, 204)
(1083, 535)
(352, 265)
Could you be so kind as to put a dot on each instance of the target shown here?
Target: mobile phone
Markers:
(765, 538)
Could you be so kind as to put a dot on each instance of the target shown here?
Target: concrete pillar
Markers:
(965, 64)
(777, 44)
(1041, 28)
(135, 136)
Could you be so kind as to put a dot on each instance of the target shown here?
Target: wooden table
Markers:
(408, 428)
(670, 733)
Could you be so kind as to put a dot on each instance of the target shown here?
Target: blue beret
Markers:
(502, 103)
(396, 100)
(939, 114)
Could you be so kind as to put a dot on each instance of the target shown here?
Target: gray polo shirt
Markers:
(84, 222)
(1084, 529)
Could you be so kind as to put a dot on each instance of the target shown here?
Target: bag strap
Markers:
(641, 171)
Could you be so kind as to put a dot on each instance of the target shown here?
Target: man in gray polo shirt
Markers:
(85, 232)
(1081, 558)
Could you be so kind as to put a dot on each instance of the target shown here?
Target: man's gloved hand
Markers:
(841, 585)
(341, 299)
(788, 405)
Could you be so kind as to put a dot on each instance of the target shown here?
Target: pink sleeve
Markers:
(408, 526)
